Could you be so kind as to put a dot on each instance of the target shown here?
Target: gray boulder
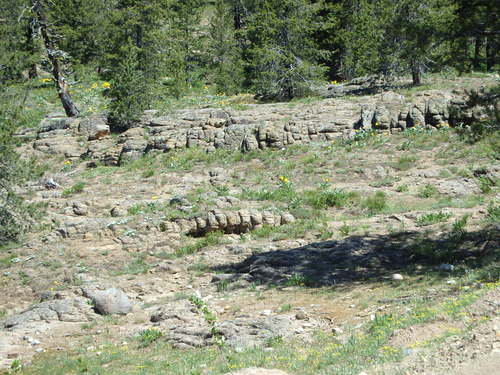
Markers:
(93, 128)
(110, 301)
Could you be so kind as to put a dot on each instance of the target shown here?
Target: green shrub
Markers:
(402, 188)
(458, 229)
(299, 280)
(148, 336)
(433, 218)
(16, 217)
(321, 199)
(375, 203)
(428, 191)
(493, 215)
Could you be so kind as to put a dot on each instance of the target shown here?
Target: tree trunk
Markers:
(416, 73)
(61, 85)
(491, 51)
(478, 45)
(30, 45)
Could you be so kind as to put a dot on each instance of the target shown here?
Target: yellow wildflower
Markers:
(284, 179)
(94, 86)
(154, 197)
(106, 85)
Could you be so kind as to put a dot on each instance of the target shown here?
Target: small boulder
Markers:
(94, 128)
(397, 277)
(168, 268)
(118, 211)
(446, 267)
(111, 301)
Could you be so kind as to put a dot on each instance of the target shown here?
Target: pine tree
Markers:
(226, 64)
(133, 59)
(81, 25)
(130, 90)
(422, 27)
(185, 41)
(19, 49)
(283, 54)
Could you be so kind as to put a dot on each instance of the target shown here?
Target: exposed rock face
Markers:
(257, 127)
(241, 221)
(187, 329)
(93, 128)
(110, 301)
(393, 112)
(66, 310)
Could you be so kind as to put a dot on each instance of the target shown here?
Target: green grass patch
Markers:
(375, 203)
(210, 239)
(75, 189)
(324, 354)
(405, 163)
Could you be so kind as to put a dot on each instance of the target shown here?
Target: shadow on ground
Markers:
(366, 258)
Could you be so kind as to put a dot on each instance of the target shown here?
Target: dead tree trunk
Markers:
(52, 53)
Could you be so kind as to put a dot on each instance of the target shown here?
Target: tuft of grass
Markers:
(75, 189)
(375, 203)
(285, 307)
(486, 184)
(148, 336)
(345, 229)
(148, 173)
(137, 267)
(428, 191)
(210, 239)
(493, 214)
(433, 218)
(402, 188)
(405, 163)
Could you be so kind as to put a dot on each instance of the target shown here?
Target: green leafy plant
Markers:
(299, 280)
(433, 218)
(428, 191)
(148, 336)
(323, 198)
(345, 229)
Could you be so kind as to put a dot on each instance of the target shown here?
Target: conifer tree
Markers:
(283, 55)
(130, 91)
(226, 64)
(133, 58)
(19, 49)
(185, 41)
